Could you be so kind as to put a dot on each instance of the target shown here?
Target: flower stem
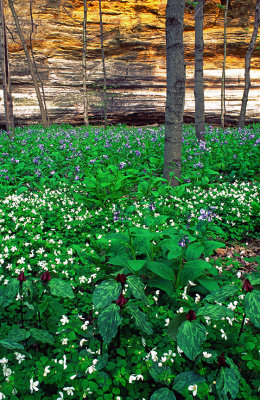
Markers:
(242, 325)
(21, 302)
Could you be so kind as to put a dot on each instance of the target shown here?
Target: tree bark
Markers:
(84, 64)
(4, 62)
(249, 53)
(175, 97)
(30, 64)
(223, 111)
(198, 85)
(104, 66)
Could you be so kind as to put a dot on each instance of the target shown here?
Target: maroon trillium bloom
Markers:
(222, 361)
(121, 301)
(21, 277)
(247, 287)
(191, 315)
(46, 277)
(121, 278)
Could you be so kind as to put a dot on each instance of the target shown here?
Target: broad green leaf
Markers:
(12, 288)
(21, 189)
(200, 265)
(222, 294)
(208, 283)
(174, 249)
(160, 374)
(194, 251)
(174, 324)
(163, 394)
(162, 284)
(41, 335)
(60, 288)
(108, 322)
(227, 382)
(137, 288)
(190, 336)
(11, 344)
(252, 307)
(121, 261)
(185, 379)
(18, 334)
(140, 319)
(215, 311)
(106, 292)
(160, 269)
(136, 265)
(82, 254)
(210, 246)
(102, 361)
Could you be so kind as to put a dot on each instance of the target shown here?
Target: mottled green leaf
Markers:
(174, 324)
(12, 288)
(105, 293)
(163, 394)
(190, 336)
(215, 311)
(140, 319)
(185, 379)
(18, 334)
(41, 335)
(60, 288)
(222, 294)
(160, 374)
(11, 344)
(108, 321)
(227, 382)
(252, 307)
(137, 288)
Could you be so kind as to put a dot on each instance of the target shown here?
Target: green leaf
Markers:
(210, 246)
(102, 361)
(60, 288)
(163, 394)
(252, 307)
(121, 261)
(215, 311)
(194, 251)
(21, 189)
(222, 294)
(227, 382)
(18, 334)
(193, 270)
(12, 288)
(208, 283)
(137, 288)
(190, 336)
(174, 249)
(11, 344)
(136, 265)
(160, 269)
(106, 292)
(185, 379)
(82, 254)
(140, 319)
(41, 335)
(162, 284)
(108, 321)
(160, 374)
(174, 324)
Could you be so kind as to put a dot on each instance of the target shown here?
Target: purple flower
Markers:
(121, 301)
(152, 206)
(184, 241)
(46, 277)
(21, 277)
(247, 287)
(137, 153)
(121, 278)
(190, 316)
(76, 178)
(52, 172)
(116, 215)
(222, 361)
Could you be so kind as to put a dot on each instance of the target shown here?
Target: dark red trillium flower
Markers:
(191, 315)
(121, 278)
(121, 301)
(222, 361)
(46, 277)
(247, 287)
(21, 277)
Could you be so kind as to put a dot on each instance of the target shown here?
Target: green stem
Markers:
(130, 242)
(21, 302)
(178, 274)
(242, 325)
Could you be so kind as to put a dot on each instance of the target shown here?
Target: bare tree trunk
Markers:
(84, 63)
(175, 91)
(247, 66)
(198, 86)
(4, 62)
(104, 66)
(30, 64)
(222, 116)
(35, 66)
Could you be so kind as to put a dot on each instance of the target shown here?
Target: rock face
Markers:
(134, 39)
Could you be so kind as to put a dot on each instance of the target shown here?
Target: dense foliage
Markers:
(108, 284)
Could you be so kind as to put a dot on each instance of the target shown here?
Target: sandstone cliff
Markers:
(135, 60)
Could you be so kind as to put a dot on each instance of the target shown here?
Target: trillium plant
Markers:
(116, 286)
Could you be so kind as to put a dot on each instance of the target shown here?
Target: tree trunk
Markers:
(104, 66)
(198, 86)
(84, 64)
(247, 66)
(175, 91)
(222, 116)
(30, 65)
(4, 62)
